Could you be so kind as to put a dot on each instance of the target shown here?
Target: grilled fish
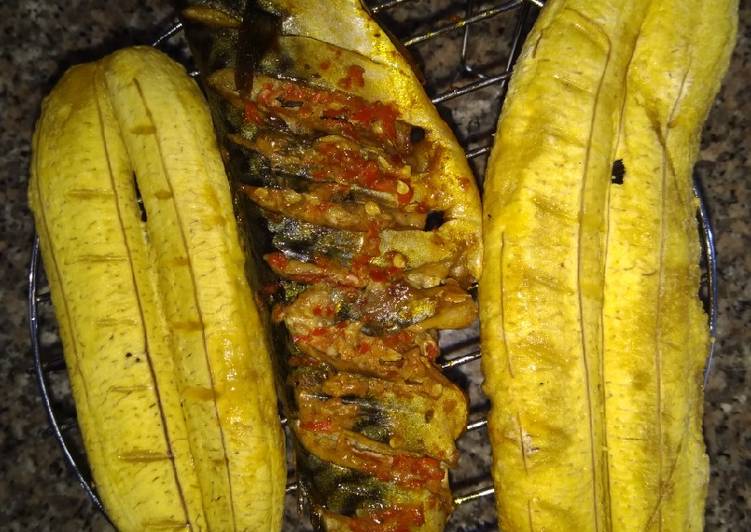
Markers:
(363, 219)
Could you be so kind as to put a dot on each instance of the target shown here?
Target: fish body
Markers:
(363, 217)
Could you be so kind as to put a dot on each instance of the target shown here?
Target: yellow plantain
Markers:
(113, 340)
(592, 333)
(655, 330)
(172, 381)
(541, 289)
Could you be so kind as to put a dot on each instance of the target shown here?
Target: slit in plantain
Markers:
(145, 456)
(139, 200)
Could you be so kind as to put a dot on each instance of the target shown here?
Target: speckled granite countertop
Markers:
(39, 39)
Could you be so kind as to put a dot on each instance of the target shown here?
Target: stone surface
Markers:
(38, 40)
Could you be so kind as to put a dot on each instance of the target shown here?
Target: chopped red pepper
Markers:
(465, 183)
(363, 348)
(252, 114)
(318, 425)
(386, 114)
(277, 260)
(397, 518)
(406, 197)
(348, 112)
(353, 166)
(301, 338)
(265, 97)
(399, 341)
(431, 350)
(319, 174)
(423, 468)
(379, 275)
(354, 77)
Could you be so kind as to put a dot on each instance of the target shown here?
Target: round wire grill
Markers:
(469, 49)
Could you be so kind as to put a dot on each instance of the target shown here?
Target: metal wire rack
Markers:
(469, 72)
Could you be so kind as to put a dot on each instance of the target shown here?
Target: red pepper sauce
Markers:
(252, 114)
(354, 78)
(318, 425)
(277, 260)
(396, 518)
(417, 471)
(348, 111)
(353, 167)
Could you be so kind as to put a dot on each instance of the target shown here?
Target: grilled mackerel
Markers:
(363, 220)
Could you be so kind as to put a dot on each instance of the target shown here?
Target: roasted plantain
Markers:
(593, 336)
(339, 160)
(169, 367)
(655, 336)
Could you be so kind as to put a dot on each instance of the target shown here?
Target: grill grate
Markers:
(474, 75)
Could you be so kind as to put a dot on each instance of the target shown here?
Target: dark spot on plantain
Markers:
(641, 380)
(618, 172)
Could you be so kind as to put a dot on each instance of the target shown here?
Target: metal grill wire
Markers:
(467, 75)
